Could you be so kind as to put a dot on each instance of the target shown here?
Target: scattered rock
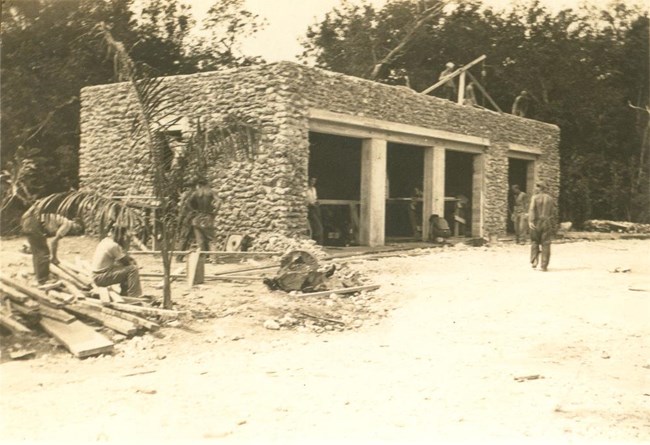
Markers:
(272, 324)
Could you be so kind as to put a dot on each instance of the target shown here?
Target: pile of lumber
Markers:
(599, 225)
(80, 316)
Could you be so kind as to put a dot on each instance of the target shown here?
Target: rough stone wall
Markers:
(267, 192)
(359, 97)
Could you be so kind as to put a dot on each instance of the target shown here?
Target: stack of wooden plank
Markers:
(75, 312)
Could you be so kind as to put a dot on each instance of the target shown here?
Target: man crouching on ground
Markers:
(111, 265)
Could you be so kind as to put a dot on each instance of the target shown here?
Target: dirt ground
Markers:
(458, 344)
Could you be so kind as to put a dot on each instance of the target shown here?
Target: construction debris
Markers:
(597, 225)
(72, 311)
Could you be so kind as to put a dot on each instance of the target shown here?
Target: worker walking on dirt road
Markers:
(540, 222)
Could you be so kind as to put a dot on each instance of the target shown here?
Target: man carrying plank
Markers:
(111, 264)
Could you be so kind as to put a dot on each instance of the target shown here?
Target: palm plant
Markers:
(154, 117)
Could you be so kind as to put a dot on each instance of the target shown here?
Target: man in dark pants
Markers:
(202, 206)
(111, 264)
(34, 226)
(540, 222)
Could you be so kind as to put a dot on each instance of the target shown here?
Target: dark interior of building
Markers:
(336, 163)
(517, 174)
(459, 171)
(404, 174)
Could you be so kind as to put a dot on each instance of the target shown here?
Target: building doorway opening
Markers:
(336, 163)
(404, 185)
(459, 171)
(517, 174)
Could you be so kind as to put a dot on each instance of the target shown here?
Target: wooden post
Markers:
(461, 88)
(195, 268)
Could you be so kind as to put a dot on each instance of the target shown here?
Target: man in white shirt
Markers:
(111, 265)
(313, 212)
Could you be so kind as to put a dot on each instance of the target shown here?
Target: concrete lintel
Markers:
(365, 127)
(515, 150)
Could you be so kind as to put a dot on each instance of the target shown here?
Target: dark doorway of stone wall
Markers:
(336, 163)
(517, 174)
(404, 185)
(459, 171)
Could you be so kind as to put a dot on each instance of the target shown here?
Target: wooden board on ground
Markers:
(104, 296)
(195, 268)
(80, 339)
(26, 309)
(13, 294)
(66, 276)
(38, 295)
(345, 290)
(145, 310)
(13, 325)
(56, 314)
(110, 321)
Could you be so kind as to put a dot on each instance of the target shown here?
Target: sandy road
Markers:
(464, 325)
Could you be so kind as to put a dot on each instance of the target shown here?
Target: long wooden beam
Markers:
(484, 91)
(454, 74)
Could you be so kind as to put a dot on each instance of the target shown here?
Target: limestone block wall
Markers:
(359, 97)
(267, 193)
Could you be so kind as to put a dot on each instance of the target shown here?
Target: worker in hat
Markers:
(449, 87)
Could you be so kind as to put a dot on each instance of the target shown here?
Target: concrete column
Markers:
(433, 199)
(478, 195)
(373, 192)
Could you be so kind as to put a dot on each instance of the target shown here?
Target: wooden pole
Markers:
(461, 88)
(485, 93)
(454, 74)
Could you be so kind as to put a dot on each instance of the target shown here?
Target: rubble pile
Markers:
(321, 296)
(597, 225)
(277, 242)
(332, 312)
(86, 320)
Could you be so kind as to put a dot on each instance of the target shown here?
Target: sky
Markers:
(287, 21)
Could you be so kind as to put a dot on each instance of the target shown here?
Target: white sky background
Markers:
(287, 21)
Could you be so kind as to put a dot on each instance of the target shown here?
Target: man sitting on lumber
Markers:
(37, 226)
(111, 265)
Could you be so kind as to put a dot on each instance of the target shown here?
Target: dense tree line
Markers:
(587, 71)
(53, 48)
(583, 68)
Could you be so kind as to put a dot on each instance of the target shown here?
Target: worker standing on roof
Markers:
(470, 96)
(449, 87)
(521, 104)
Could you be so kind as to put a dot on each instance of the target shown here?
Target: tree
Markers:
(603, 66)
(49, 53)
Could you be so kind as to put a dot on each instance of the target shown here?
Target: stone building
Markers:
(370, 145)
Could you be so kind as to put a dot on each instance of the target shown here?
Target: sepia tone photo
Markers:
(325, 221)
